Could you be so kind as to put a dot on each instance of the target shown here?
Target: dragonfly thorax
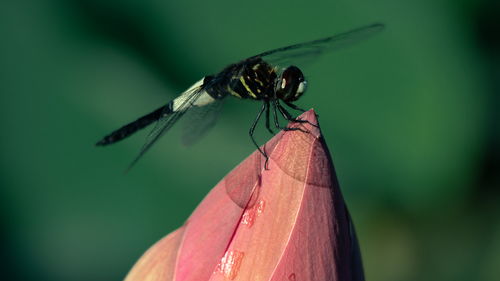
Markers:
(253, 79)
(291, 85)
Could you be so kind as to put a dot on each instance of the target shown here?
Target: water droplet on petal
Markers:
(260, 207)
(250, 215)
(230, 264)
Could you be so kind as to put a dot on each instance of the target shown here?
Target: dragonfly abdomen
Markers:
(134, 126)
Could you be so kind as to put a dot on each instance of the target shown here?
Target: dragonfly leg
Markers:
(293, 106)
(267, 118)
(288, 117)
(277, 123)
(252, 129)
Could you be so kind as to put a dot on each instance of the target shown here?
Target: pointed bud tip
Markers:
(311, 125)
(269, 224)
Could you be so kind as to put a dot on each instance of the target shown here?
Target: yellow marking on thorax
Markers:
(242, 80)
(233, 92)
(260, 82)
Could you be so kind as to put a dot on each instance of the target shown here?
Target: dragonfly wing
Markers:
(171, 114)
(302, 53)
(199, 120)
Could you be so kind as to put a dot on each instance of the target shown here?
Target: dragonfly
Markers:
(272, 78)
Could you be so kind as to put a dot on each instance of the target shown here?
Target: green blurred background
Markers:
(411, 118)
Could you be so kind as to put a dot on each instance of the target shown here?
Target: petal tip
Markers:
(311, 124)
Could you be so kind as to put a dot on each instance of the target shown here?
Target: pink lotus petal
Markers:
(285, 223)
(159, 261)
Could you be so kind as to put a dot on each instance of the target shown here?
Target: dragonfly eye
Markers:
(291, 84)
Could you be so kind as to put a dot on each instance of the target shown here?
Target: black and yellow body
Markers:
(254, 79)
(267, 77)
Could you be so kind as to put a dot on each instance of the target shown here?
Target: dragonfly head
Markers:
(291, 84)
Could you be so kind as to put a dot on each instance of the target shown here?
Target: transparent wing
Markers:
(306, 52)
(199, 120)
(168, 119)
